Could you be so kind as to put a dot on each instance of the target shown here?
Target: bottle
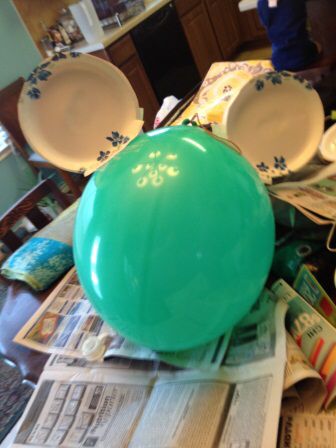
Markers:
(47, 45)
(70, 26)
(55, 35)
(64, 34)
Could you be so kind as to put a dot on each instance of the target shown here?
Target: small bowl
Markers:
(327, 148)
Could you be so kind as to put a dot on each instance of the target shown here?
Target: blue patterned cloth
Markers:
(39, 262)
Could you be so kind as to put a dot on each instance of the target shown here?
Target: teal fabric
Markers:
(39, 262)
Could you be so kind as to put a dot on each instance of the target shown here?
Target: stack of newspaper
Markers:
(314, 197)
(308, 416)
(258, 386)
(225, 394)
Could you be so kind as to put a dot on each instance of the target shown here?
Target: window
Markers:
(3, 139)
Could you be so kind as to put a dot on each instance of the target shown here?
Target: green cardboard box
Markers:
(315, 282)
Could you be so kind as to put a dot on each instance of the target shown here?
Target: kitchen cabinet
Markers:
(251, 27)
(123, 54)
(224, 18)
(101, 54)
(200, 33)
(214, 30)
(136, 75)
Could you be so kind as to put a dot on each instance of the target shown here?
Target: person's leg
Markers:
(292, 48)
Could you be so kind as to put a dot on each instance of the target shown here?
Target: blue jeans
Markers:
(292, 48)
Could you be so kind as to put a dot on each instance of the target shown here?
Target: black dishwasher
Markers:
(165, 53)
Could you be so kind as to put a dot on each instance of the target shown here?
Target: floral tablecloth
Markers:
(222, 82)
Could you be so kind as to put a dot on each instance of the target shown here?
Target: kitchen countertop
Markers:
(114, 34)
(151, 6)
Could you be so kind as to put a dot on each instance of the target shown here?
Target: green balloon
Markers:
(174, 239)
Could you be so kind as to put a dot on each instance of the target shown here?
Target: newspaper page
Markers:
(313, 334)
(206, 357)
(63, 322)
(307, 431)
(60, 362)
(319, 198)
(253, 339)
(304, 389)
(301, 429)
(122, 405)
(66, 319)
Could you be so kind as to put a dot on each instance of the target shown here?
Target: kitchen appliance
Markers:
(165, 54)
(87, 20)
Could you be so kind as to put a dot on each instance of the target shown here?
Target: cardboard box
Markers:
(315, 282)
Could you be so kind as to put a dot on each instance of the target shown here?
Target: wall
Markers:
(18, 56)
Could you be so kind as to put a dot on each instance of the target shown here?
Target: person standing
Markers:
(286, 25)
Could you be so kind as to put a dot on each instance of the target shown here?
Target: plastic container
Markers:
(86, 17)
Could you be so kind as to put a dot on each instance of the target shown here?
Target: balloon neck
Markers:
(207, 127)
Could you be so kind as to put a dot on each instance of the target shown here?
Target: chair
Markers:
(321, 17)
(315, 74)
(27, 207)
(19, 366)
(321, 67)
(9, 97)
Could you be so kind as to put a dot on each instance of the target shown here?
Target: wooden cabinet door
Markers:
(183, 6)
(224, 17)
(251, 27)
(201, 37)
(135, 73)
(124, 55)
(102, 54)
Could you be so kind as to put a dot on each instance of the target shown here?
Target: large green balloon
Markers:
(174, 239)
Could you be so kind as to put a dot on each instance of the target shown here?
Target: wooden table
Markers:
(20, 304)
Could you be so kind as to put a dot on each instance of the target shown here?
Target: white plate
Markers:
(77, 111)
(328, 145)
(277, 120)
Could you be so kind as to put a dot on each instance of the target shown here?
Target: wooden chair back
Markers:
(9, 117)
(9, 97)
(27, 207)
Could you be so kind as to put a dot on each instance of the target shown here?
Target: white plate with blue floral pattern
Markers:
(77, 111)
(277, 121)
